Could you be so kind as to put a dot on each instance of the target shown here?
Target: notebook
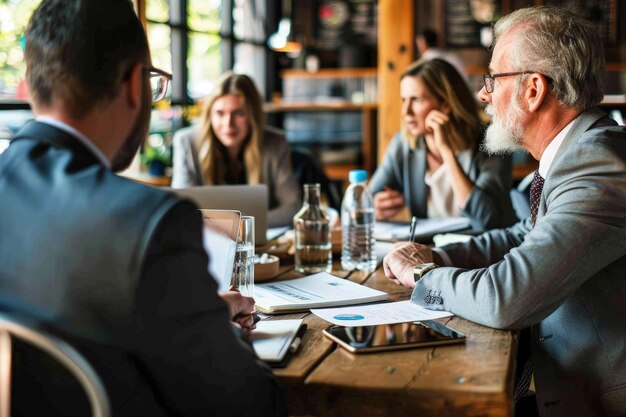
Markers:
(250, 200)
(273, 340)
(220, 242)
(318, 290)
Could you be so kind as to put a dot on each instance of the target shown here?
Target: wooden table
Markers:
(473, 379)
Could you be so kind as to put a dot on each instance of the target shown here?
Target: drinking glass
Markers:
(243, 267)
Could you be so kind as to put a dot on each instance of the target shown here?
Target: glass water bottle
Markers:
(312, 230)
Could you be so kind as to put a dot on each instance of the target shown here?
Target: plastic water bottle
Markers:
(357, 224)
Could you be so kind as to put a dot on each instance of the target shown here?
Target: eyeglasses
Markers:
(159, 81)
(489, 79)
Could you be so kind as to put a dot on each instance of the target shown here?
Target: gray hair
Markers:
(560, 45)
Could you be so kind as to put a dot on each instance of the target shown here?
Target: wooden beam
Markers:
(396, 36)
(140, 9)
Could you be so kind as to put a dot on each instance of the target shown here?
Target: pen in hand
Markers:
(412, 228)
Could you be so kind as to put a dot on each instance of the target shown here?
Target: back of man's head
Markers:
(79, 51)
(560, 45)
(430, 37)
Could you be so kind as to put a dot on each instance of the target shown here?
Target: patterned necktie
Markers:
(535, 196)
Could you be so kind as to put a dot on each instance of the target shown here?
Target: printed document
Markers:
(375, 314)
(318, 290)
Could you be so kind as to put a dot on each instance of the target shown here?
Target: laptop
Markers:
(250, 200)
(219, 236)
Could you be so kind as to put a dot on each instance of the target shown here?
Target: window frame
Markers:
(180, 31)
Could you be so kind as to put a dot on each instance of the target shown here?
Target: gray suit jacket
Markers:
(488, 206)
(276, 172)
(566, 277)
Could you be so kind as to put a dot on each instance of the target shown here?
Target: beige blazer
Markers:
(276, 173)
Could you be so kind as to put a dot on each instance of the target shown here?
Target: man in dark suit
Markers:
(115, 267)
(560, 272)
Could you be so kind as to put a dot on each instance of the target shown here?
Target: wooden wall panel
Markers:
(396, 33)
(140, 8)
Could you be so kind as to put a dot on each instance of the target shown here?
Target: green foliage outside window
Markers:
(204, 55)
(14, 15)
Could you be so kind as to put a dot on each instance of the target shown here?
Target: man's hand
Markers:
(237, 303)
(241, 310)
(388, 203)
(246, 322)
(402, 258)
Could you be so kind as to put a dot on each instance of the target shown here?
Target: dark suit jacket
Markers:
(565, 277)
(119, 270)
(488, 206)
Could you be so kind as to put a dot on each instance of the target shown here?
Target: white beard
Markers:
(504, 136)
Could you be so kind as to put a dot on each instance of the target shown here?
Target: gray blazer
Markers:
(488, 206)
(276, 172)
(566, 277)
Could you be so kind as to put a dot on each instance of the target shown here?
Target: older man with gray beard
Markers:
(561, 272)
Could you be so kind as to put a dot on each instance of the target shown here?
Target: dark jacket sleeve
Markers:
(278, 175)
(197, 363)
(489, 203)
(389, 173)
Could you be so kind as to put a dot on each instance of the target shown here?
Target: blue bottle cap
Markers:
(357, 175)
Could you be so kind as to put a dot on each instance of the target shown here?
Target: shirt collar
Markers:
(548, 155)
(81, 138)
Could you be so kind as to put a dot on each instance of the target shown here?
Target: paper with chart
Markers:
(424, 228)
(318, 290)
(375, 314)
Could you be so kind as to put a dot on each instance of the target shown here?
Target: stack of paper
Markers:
(319, 290)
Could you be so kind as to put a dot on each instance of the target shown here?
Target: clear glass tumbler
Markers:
(243, 268)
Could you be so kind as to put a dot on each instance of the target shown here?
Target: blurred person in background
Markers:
(232, 145)
(434, 165)
(427, 46)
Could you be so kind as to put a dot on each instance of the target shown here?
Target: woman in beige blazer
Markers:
(232, 146)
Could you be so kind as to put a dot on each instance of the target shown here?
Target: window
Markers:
(14, 110)
(250, 37)
(14, 15)
(197, 40)
(204, 60)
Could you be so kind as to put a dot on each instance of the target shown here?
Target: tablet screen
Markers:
(220, 242)
(393, 336)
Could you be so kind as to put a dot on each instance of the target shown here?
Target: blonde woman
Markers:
(434, 165)
(232, 146)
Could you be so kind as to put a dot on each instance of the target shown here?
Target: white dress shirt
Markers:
(544, 166)
(550, 152)
(81, 138)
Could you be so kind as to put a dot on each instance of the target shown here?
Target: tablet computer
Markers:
(386, 337)
(250, 200)
(220, 242)
(274, 340)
